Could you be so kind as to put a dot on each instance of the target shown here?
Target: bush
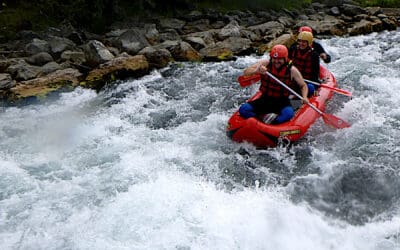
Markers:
(380, 3)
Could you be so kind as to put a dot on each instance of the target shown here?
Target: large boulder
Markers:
(329, 25)
(230, 30)
(285, 39)
(6, 82)
(60, 44)
(208, 36)
(180, 50)
(171, 23)
(37, 46)
(217, 53)
(225, 50)
(46, 84)
(22, 71)
(196, 42)
(269, 30)
(169, 35)
(157, 58)
(40, 59)
(77, 57)
(131, 40)
(50, 67)
(97, 53)
(197, 26)
(117, 68)
(365, 26)
(151, 33)
(352, 10)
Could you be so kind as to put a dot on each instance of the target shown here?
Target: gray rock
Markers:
(50, 67)
(97, 53)
(171, 23)
(352, 10)
(6, 82)
(169, 35)
(60, 44)
(23, 71)
(196, 42)
(334, 11)
(73, 56)
(157, 58)
(132, 41)
(40, 58)
(37, 46)
(230, 30)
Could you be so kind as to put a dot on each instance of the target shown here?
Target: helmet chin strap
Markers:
(278, 68)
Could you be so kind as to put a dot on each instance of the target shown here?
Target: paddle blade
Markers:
(343, 92)
(337, 90)
(245, 81)
(334, 121)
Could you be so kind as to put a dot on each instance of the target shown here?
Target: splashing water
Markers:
(146, 164)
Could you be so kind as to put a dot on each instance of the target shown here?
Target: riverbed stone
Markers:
(40, 59)
(6, 82)
(198, 36)
(45, 84)
(117, 68)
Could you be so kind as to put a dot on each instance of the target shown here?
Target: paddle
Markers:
(340, 91)
(245, 81)
(329, 119)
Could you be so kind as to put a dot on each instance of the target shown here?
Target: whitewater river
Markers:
(146, 164)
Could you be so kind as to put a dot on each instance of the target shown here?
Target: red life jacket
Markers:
(302, 59)
(270, 87)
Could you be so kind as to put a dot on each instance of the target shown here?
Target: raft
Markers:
(262, 135)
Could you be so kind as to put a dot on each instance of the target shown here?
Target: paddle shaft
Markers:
(315, 83)
(245, 81)
(294, 92)
(340, 91)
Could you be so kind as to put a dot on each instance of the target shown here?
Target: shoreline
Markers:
(39, 63)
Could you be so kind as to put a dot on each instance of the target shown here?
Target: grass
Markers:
(380, 3)
(12, 20)
(253, 5)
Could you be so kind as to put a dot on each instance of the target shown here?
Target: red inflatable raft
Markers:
(260, 134)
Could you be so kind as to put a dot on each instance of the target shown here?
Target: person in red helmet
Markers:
(274, 98)
(317, 46)
(305, 28)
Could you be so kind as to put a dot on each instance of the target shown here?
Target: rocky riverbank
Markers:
(38, 63)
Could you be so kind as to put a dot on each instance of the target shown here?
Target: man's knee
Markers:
(246, 110)
(286, 114)
(311, 89)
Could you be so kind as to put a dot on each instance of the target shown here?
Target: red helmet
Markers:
(305, 28)
(279, 51)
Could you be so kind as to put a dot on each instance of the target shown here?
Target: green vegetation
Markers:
(381, 3)
(367, 3)
(251, 5)
(97, 14)
(15, 19)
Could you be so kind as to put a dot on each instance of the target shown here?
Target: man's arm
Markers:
(321, 52)
(255, 68)
(298, 78)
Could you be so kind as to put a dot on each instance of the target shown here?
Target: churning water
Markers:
(146, 164)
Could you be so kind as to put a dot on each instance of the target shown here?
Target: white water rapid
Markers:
(146, 164)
